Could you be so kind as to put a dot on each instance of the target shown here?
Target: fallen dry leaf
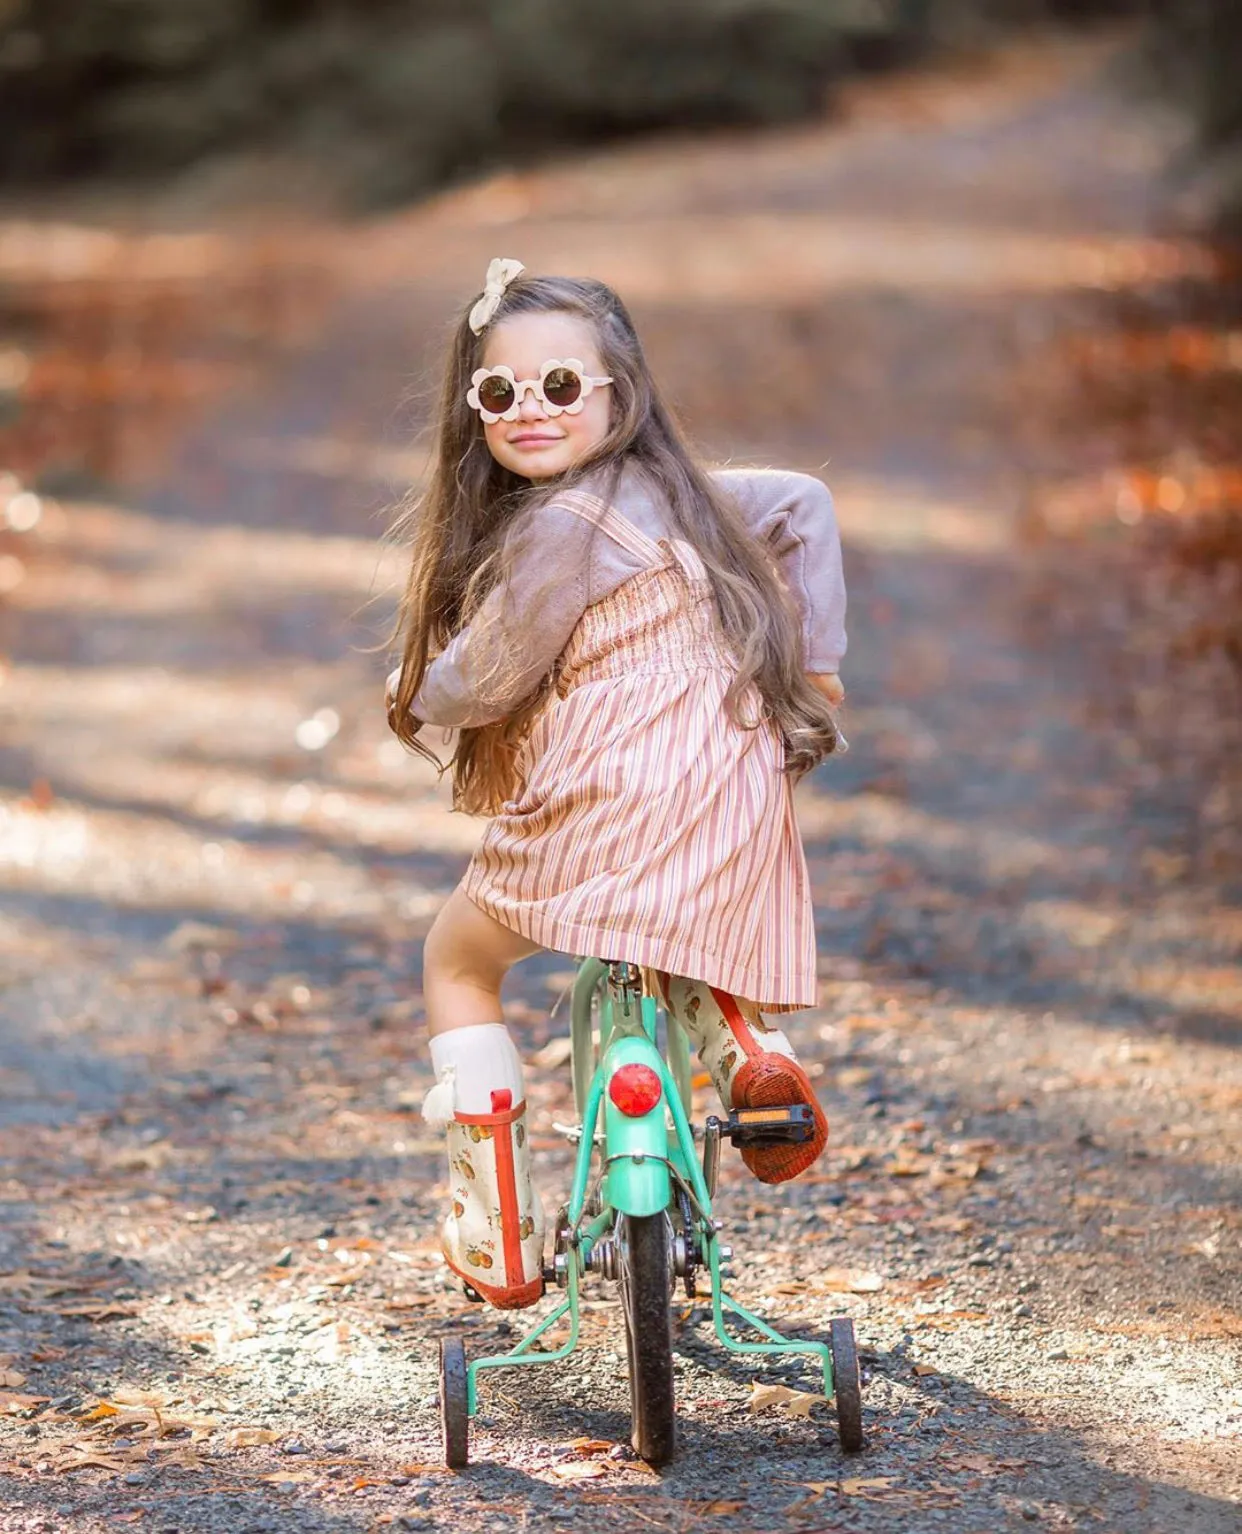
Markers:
(579, 1470)
(924, 1369)
(855, 1487)
(290, 1475)
(336, 1280)
(848, 1281)
(589, 1446)
(248, 1437)
(86, 1459)
(180, 1454)
(144, 1414)
(948, 1318)
(12, 1401)
(982, 1463)
(799, 1402)
(11, 1379)
(94, 1310)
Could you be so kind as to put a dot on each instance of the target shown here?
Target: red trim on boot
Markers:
(503, 1299)
(506, 1185)
(738, 1025)
(505, 1115)
(775, 1081)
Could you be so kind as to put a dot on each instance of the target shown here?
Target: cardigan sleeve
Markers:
(793, 514)
(493, 664)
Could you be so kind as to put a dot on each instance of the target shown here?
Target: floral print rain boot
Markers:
(751, 1065)
(493, 1233)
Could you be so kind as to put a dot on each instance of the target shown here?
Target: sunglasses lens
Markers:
(562, 386)
(496, 394)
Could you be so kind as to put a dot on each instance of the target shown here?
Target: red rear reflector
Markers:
(635, 1089)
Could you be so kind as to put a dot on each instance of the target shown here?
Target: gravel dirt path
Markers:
(219, 1284)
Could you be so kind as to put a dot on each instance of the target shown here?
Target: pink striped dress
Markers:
(649, 827)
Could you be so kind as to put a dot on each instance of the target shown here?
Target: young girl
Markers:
(640, 658)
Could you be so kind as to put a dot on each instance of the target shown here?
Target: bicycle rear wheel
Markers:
(645, 1270)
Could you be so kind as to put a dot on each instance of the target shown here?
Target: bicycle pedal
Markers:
(767, 1126)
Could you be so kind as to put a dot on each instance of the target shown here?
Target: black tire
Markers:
(454, 1407)
(846, 1384)
(646, 1286)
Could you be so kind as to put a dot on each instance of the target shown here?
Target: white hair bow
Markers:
(500, 273)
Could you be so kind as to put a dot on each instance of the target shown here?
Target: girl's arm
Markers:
(793, 514)
(492, 665)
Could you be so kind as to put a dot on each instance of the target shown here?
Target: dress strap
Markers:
(610, 521)
(687, 557)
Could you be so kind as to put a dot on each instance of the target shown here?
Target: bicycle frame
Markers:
(648, 1164)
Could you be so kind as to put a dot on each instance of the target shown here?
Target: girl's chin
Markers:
(544, 463)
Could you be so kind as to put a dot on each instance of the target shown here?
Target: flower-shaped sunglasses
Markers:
(562, 387)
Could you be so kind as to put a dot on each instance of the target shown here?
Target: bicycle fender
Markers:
(637, 1181)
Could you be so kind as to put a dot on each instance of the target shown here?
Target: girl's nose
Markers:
(530, 409)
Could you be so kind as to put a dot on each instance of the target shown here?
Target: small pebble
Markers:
(135, 1478)
(1058, 1355)
(1022, 1310)
(1029, 1511)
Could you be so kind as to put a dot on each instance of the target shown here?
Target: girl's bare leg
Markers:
(465, 958)
(493, 1234)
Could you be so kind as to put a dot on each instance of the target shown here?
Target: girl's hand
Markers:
(390, 701)
(390, 695)
(828, 683)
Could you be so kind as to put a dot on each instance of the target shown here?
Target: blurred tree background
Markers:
(394, 97)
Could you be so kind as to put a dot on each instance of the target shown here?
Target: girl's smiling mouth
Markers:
(534, 439)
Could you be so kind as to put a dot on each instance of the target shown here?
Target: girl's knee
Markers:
(457, 948)
(443, 950)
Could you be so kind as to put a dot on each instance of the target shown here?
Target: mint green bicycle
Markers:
(642, 1215)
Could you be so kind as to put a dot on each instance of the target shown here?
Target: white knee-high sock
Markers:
(470, 1064)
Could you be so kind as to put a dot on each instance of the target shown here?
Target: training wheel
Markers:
(846, 1383)
(454, 1403)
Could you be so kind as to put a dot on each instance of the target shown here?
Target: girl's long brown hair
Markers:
(466, 530)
